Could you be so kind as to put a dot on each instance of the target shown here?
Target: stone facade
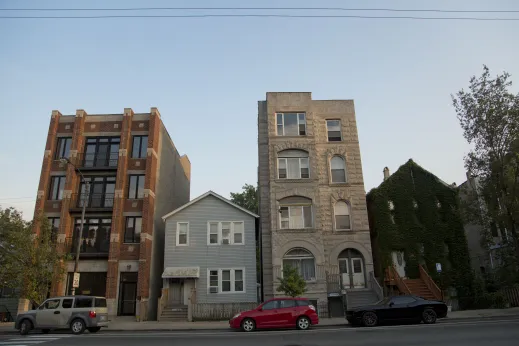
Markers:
(322, 239)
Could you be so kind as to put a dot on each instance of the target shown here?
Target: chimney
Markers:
(386, 173)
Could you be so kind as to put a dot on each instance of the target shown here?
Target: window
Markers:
(50, 304)
(57, 184)
(287, 303)
(295, 213)
(226, 280)
(342, 215)
(402, 300)
(100, 303)
(67, 303)
(54, 227)
(291, 124)
(101, 192)
(182, 233)
(338, 169)
(95, 239)
(303, 261)
(293, 164)
(139, 147)
(132, 232)
(83, 303)
(63, 148)
(225, 232)
(334, 130)
(273, 304)
(136, 188)
(101, 152)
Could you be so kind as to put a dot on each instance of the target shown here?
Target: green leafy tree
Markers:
(28, 261)
(291, 284)
(247, 199)
(488, 113)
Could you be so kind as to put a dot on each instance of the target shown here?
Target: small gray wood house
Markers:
(209, 253)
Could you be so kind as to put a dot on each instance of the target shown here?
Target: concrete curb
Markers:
(228, 330)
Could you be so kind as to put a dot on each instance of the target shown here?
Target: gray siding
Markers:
(172, 192)
(199, 254)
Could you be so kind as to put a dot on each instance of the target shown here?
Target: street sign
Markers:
(75, 281)
(439, 267)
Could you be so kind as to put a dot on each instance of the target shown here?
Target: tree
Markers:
(247, 199)
(28, 261)
(292, 284)
(489, 117)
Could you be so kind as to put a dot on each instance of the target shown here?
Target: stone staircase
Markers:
(360, 297)
(174, 314)
(418, 287)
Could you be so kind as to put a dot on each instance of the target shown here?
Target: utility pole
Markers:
(78, 241)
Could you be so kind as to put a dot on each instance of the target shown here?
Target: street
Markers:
(495, 333)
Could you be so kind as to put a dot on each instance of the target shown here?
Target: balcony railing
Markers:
(98, 160)
(97, 246)
(92, 200)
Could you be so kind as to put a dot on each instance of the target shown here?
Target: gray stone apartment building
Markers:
(312, 200)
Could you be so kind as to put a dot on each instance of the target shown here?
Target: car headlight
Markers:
(237, 315)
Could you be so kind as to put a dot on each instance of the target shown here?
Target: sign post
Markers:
(439, 270)
(75, 281)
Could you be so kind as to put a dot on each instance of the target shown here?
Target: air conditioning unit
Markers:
(213, 289)
(225, 241)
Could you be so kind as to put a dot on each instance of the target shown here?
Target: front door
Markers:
(357, 266)
(176, 293)
(345, 273)
(128, 294)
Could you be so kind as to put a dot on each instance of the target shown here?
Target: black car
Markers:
(397, 309)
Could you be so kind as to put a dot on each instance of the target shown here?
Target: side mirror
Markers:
(391, 304)
(41, 307)
(260, 309)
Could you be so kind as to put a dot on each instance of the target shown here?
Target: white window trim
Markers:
(343, 167)
(220, 276)
(340, 130)
(231, 240)
(283, 123)
(286, 165)
(178, 233)
(302, 215)
(299, 258)
(335, 219)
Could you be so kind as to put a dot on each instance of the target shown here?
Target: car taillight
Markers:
(92, 314)
(311, 307)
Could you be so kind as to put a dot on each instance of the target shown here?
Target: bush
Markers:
(495, 300)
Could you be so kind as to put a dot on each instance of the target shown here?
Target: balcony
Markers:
(98, 161)
(94, 247)
(95, 202)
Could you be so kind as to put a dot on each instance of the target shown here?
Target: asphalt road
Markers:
(480, 333)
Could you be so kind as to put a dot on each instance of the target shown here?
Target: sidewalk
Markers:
(129, 324)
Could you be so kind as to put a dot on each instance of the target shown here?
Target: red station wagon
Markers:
(277, 313)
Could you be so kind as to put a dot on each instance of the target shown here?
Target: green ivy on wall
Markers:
(424, 223)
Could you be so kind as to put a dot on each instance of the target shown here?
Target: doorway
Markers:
(176, 292)
(127, 294)
(352, 269)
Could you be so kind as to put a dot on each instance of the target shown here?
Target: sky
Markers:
(206, 75)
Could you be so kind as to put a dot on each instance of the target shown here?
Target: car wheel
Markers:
(77, 326)
(369, 319)
(45, 331)
(94, 329)
(303, 323)
(248, 325)
(429, 316)
(25, 327)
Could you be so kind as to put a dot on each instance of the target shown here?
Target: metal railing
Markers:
(400, 283)
(97, 245)
(97, 160)
(429, 282)
(375, 286)
(92, 200)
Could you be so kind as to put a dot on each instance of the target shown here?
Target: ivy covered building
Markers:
(415, 223)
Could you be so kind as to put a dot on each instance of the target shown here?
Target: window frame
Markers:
(232, 277)
(300, 175)
(348, 205)
(59, 152)
(139, 176)
(302, 206)
(343, 159)
(62, 181)
(299, 123)
(300, 258)
(219, 233)
(136, 237)
(139, 138)
(178, 233)
(328, 130)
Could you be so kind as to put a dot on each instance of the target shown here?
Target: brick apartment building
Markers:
(136, 176)
(312, 200)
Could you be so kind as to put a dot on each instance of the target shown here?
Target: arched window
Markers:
(338, 169)
(341, 211)
(302, 260)
(295, 212)
(293, 164)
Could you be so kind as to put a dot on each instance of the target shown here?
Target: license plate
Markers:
(102, 318)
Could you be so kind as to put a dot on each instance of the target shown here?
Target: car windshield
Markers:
(383, 301)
